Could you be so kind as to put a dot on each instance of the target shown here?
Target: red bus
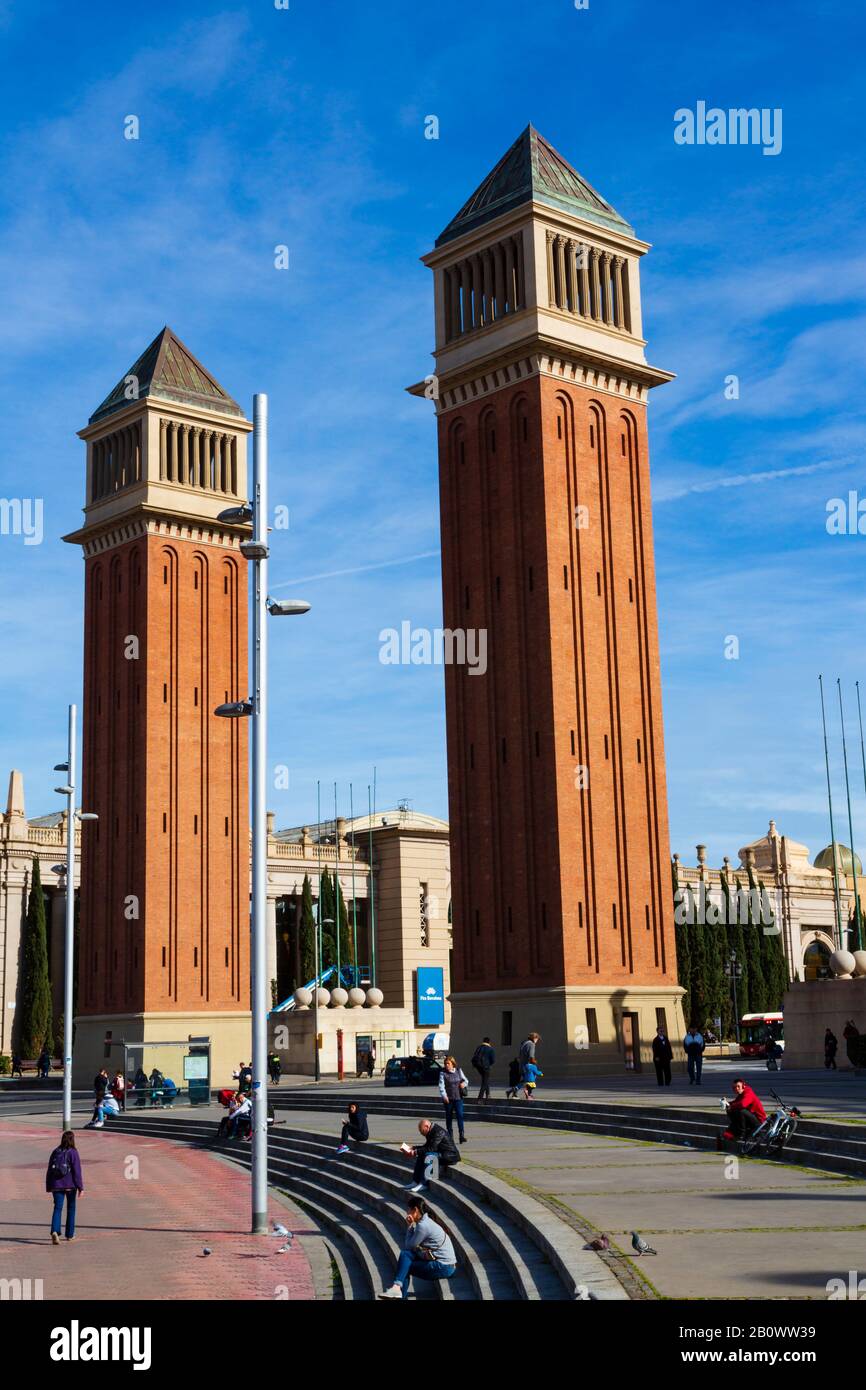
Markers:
(757, 1030)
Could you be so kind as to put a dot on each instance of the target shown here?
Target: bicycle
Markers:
(773, 1133)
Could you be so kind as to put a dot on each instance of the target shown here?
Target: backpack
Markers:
(476, 1057)
(61, 1163)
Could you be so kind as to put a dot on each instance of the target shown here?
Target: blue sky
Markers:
(305, 127)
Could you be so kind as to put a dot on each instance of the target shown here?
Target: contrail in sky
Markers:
(358, 569)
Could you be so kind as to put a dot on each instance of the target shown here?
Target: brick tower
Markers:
(165, 881)
(561, 881)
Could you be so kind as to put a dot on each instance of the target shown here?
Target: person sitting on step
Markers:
(355, 1128)
(439, 1150)
(427, 1252)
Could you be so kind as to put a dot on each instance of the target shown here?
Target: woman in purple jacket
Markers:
(64, 1179)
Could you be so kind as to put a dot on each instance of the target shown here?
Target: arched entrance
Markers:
(816, 961)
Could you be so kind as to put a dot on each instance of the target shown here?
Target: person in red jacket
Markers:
(745, 1111)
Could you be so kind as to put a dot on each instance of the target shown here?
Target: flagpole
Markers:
(858, 935)
(862, 750)
(372, 889)
(354, 902)
(337, 887)
(840, 942)
(317, 1071)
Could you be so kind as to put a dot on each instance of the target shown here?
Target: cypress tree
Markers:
(774, 964)
(286, 982)
(757, 989)
(698, 997)
(308, 933)
(34, 1025)
(682, 944)
(737, 944)
(715, 979)
(328, 920)
(342, 918)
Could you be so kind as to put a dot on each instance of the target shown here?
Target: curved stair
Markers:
(509, 1247)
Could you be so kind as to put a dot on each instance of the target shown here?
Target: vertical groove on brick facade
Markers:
(653, 773)
(581, 704)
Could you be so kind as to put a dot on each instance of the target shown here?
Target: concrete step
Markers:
(830, 1147)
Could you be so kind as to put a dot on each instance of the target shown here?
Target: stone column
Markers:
(477, 291)
(626, 294)
(551, 273)
(583, 277)
(510, 275)
(561, 301)
(172, 452)
(499, 280)
(617, 291)
(605, 278)
(271, 941)
(163, 450)
(596, 288)
(518, 268)
(571, 251)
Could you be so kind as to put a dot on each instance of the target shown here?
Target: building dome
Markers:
(824, 860)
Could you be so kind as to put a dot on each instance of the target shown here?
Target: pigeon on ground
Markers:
(280, 1230)
(284, 1248)
(640, 1245)
(601, 1242)
(206, 1251)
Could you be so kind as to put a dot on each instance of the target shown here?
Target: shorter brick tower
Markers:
(165, 881)
(562, 897)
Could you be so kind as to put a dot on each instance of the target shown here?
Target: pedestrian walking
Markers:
(831, 1046)
(275, 1069)
(439, 1150)
(527, 1049)
(355, 1128)
(427, 1252)
(453, 1085)
(43, 1066)
(64, 1181)
(16, 1065)
(483, 1059)
(663, 1055)
(694, 1045)
(851, 1033)
(514, 1070)
(371, 1060)
(531, 1073)
(245, 1079)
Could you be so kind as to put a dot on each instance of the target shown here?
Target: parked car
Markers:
(411, 1071)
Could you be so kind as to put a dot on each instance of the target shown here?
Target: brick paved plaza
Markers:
(142, 1238)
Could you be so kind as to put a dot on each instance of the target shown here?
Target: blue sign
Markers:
(431, 995)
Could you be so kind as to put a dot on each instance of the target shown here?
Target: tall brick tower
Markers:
(165, 881)
(561, 881)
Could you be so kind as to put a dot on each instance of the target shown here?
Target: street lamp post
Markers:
(68, 790)
(734, 970)
(256, 708)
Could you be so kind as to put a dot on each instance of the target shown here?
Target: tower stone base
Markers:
(230, 1037)
(812, 1006)
(559, 1015)
(394, 1033)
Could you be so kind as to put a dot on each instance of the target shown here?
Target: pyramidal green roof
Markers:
(167, 369)
(532, 171)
